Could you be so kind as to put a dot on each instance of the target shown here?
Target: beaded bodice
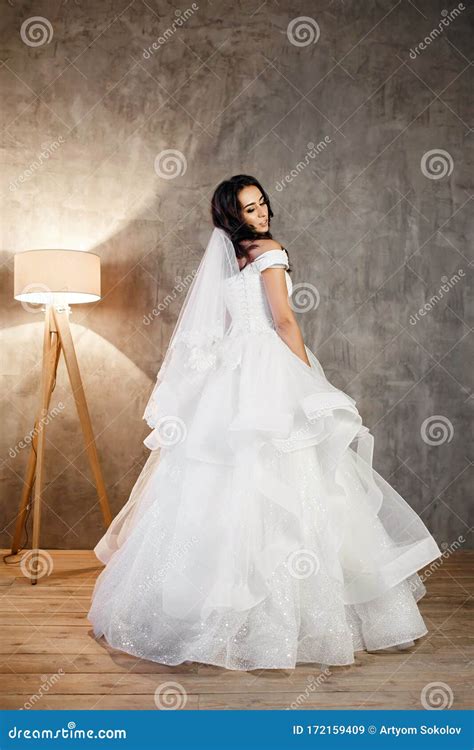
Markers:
(245, 295)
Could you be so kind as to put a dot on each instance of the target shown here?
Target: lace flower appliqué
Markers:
(201, 359)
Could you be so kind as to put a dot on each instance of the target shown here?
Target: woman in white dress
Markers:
(258, 534)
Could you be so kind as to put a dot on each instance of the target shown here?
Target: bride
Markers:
(258, 534)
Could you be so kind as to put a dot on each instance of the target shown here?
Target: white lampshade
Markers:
(55, 277)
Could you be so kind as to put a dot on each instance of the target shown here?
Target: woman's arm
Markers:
(283, 316)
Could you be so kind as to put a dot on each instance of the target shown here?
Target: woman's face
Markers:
(254, 210)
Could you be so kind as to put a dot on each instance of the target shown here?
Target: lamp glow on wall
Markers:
(55, 279)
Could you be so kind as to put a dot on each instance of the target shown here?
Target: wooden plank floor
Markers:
(50, 659)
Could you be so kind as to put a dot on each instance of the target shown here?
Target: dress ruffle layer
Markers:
(262, 537)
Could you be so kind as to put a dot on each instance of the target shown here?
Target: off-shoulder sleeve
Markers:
(272, 259)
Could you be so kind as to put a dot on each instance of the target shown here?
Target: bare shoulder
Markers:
(262, 246)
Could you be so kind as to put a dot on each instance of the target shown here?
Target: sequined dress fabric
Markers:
(260, 535)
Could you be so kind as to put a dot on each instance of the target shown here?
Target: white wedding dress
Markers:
(258, 535)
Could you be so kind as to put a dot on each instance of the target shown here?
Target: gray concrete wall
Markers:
(375, 218)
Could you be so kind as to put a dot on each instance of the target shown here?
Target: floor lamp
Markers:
(55, 279)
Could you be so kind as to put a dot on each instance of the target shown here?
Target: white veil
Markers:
(202, 322)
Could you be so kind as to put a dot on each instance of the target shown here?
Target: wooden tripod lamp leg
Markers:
(57, 338)
(62, 323)
(47, 379)
(51, 352)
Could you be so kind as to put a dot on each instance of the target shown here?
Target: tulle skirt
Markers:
(258, 534)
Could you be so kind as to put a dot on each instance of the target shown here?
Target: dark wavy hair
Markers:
(227, 213)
